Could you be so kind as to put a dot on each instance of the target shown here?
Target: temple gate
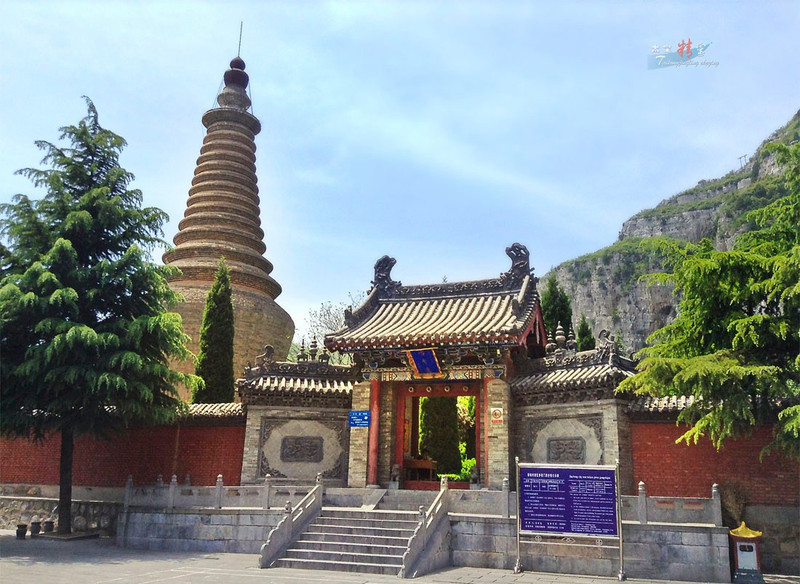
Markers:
(454, 338)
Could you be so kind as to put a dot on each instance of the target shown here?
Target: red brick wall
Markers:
(670, 469)
(202, 451)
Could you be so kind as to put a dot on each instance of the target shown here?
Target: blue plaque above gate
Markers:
(359, 419)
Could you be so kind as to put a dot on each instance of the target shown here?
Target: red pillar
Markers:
(372, 456)
(486, 425)
(479, 431)
(399, 449)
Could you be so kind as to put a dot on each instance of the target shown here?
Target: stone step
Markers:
(405, 500)
(361, 530)
(342, 547)
(366, 522)
(388, 569)
(347, 557)
(316, 536)
(390, 514)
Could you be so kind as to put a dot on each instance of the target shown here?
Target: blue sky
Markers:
(435, 132)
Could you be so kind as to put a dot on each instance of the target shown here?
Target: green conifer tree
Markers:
(438, 432)
(556, 307)
(586, 340)
(734, 344)
(85, 334)
(215, 357)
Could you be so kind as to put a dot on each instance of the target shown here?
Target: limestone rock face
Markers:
(604, 285)
(222, 220)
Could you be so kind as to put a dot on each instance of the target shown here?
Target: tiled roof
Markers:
(567, 377)
(306, 382)
(227, 410)
(295, 385)
(573, 378)
(669, 405)
(498, 311)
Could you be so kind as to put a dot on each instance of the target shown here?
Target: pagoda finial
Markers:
(236, 80)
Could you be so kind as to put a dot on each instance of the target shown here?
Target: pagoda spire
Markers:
(222, 220)
(222, 214)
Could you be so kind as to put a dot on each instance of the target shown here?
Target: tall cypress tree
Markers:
(85, 335)
(438, 426)
(585, 337)
(556, 307)
(215, 359)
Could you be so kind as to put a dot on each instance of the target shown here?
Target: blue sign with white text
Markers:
(359, 419)
(576, 500)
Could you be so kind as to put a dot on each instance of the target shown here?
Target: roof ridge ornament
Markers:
(383, 283)
(520, 264)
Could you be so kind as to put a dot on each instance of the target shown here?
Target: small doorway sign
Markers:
(496, 415)
(359, 419)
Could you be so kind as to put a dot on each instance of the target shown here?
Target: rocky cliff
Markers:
(605, 284)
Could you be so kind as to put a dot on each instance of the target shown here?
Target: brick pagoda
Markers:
(222, 219)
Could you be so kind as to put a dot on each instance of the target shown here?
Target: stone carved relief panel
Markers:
(574, 440)
(302, 448)
(566, 450)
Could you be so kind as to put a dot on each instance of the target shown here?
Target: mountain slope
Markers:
(604, 285)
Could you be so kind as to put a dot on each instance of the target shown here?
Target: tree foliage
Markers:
(586, 340)
(556, 307)
(735, 343)
(215, 357)
(329, 317)
(85, 334)
(438, 432)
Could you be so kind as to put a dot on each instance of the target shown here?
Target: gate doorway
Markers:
(417, 470)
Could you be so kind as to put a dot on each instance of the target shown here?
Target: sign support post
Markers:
(621, 574)
(518, 563)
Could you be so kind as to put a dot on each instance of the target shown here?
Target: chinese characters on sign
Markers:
(686, 55)
(359, 419)
(578, 501)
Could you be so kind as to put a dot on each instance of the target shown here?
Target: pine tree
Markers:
(734, 344)
(556, 307)
(438, 432)
(585, 338)
(215, 358)
(85, 334)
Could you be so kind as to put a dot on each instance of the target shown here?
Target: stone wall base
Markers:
(207, 530)
(664, 551)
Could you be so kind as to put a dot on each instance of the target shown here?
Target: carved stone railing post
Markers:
(218, 494)
(173, 485)
(443, 483)
(318, 480)
(506, 496)
(716, 505)
(267, 491)
(641, 504)
(128, 492)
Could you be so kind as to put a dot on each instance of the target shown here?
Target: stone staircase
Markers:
(353, 540)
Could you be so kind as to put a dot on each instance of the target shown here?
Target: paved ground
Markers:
(100, 561)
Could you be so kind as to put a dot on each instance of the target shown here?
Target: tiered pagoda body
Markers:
(222, 220)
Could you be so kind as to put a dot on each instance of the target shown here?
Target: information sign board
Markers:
(575, 501)
(359, 419)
